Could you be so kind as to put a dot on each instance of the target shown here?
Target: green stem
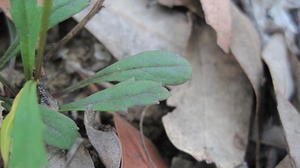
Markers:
(43, 36)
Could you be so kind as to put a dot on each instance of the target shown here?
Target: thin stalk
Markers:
(10, 88)
(96, 8)
(11, 52)
(43, 36)
(13, 35)
(11, 30)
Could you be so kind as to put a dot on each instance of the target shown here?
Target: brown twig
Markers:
(143, 138)
(96, 8)
(92, 87)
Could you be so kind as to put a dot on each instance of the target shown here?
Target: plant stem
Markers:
(96, 8)
(43, 36)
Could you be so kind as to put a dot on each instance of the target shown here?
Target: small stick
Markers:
(9, 87)
(143, 138)
(72, 152)
(96, 8)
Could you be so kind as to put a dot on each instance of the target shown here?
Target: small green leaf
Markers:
(121, 96)
(159, 66)
(26, 15)
(60, 130)
(63, 9)
(22, 132)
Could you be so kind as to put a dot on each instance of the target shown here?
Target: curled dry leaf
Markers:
(275, 56)
(133, 151)
(218, 15)
(138, 29)
(106, 143)
(212, 114)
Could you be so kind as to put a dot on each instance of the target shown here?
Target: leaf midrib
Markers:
(111, 99)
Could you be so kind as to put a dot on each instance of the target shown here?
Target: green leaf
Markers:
(61, 10)
(121, 96)
(60, 130)
(11, 52)
(26, 15)
(64, 9)
(24, 128)
(159, 66)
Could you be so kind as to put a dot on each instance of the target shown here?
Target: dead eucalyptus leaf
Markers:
(246, 47)
(218, 15)
(290, 119)
(212, 114)
(133, 151)
(106, 143)
(276, 57)
(144, 27)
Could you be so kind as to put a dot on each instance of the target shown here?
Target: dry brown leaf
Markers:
(57, 159)
(133, 153)
(246, 47)
(144, 27)
(218, 15)
(106, 143)
(275, 56)
(212, 114)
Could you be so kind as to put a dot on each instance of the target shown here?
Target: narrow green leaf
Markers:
(159, 66)
(64, 9)
(27, 147)
(5, 135)
(61, 10)
(60, 130)
(26, 15)
(11, 52)
(121, 96)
